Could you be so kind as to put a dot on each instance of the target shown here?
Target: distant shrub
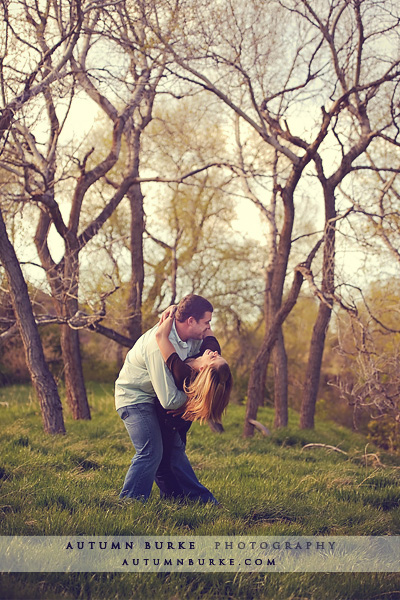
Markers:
(385, 433)
(97, 369)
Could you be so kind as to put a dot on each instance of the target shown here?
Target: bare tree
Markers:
(266, 80)
(43, 180)
(20, 82)
(62, 185)
(272, 294)
(243, 55)
(38, 174)
(42, 380)
(360, 79)
(373, 385)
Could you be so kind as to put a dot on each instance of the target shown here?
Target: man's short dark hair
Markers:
(192, 306)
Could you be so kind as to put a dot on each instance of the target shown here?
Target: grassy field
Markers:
(69, 484)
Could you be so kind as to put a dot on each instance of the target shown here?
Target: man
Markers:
(145, 376)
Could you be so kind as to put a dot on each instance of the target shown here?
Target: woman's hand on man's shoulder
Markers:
(168, 312)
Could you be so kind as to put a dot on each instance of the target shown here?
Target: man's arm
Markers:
(161, 378)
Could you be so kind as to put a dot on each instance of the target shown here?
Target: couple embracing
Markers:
(173, 375)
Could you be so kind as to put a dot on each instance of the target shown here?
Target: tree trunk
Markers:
(137, 268)
(313, 372)
(275, 280)
(42, 379)
(63, 279)
(279, 357)
(255, 391)
(256, 387)
(70, 344)
(317, 344)
(135, 197)
(258, 372)
(73, 373)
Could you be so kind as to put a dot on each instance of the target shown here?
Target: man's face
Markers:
(199, 329)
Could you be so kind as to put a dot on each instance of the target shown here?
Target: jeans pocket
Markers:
(123, 413)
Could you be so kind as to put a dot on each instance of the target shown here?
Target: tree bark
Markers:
(279, 358)
(311, 384)
(258, 372)
(70, 344)
(42, 380)
(73, 374)
(63, 281)
(256, 386)
(5, 121)
(257, 375)
(313, 372)
(274, 290)
(137, 266)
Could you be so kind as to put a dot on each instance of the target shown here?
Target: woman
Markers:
(205, 378)
(207, 382)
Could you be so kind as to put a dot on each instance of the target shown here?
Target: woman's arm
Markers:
(210, 343)
(181, 371)
(162, 337)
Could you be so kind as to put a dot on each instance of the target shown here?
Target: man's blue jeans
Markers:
(143, 427)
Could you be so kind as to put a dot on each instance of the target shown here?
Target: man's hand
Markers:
(168, 312)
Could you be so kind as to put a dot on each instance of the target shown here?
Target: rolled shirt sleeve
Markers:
(163, 382)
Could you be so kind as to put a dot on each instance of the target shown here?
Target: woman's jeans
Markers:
(144, 430)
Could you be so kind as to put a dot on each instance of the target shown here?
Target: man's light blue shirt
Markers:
(145, 374)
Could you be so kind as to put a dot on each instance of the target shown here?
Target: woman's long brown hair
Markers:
(208, 394)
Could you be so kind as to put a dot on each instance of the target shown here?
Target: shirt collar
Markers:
(178, 339)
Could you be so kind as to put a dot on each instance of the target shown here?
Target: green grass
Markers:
(64, 485)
